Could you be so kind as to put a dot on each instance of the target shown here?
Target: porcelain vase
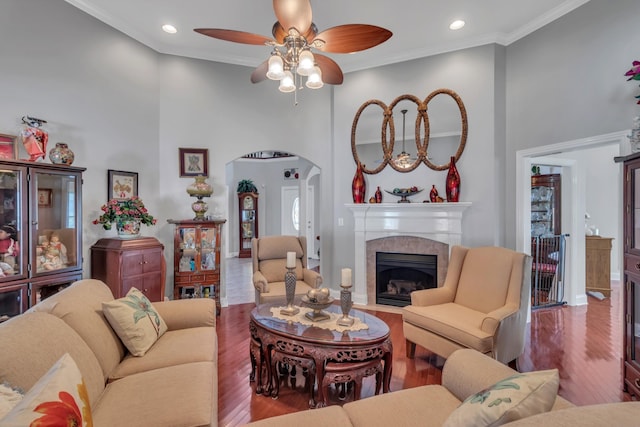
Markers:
(128, 229)
(61, 154)
(453, 182)
(358, 186)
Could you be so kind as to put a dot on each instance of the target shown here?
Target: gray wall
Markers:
(566, 82)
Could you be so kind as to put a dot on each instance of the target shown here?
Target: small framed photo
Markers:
(8, 147)
(44, 197)
(194, 162)
(122, 185)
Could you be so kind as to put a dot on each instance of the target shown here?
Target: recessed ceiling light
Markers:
(456, 25)
(168, 28)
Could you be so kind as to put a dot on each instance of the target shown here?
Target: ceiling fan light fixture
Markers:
(287, 84)
(306, 63)
(314, 80)
(276, 68)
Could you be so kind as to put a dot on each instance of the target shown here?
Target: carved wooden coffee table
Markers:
(312, 348)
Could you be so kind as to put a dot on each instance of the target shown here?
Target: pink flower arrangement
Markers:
(634, 74)
(120, 211)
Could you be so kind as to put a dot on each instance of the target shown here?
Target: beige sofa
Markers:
(465, 373)
(173, 384)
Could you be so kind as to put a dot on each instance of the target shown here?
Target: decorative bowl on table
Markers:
(317, 304)
(403, 193)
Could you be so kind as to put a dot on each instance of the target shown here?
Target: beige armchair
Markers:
(482, 305)
(269, 255)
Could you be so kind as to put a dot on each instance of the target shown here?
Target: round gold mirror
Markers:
(368, 140)
(406, 145)
(447, 128)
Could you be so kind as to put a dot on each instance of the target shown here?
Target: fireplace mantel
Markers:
(441, 222)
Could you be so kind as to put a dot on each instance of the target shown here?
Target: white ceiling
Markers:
(420, 27)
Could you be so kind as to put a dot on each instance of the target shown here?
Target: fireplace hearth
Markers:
(399, 274)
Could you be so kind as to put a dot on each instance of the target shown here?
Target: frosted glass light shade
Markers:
(286, 84)
(276, 68)
(314, 81)
(305, 63)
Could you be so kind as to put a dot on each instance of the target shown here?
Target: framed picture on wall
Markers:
(121, 185)
(194, 162)
(44, 197)
(8, 147)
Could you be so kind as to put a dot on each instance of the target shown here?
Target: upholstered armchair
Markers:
(482, 305)
(269, 255)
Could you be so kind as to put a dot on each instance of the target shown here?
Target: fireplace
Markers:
(399, 274)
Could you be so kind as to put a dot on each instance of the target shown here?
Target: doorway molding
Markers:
(575, 279)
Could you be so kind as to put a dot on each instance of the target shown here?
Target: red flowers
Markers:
(119, 211)
(634, 74)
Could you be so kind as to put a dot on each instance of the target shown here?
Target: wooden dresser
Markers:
(123, 264)
(598, 264)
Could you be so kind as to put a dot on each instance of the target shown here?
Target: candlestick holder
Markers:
(345, 305)
(290, 291)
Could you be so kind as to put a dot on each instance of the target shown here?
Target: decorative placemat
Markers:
(330, 323)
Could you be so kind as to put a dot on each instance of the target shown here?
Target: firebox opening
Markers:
(398, 274)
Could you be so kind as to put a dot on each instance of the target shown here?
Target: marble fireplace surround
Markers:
(430, 228)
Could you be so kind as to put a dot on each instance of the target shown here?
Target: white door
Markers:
(295, 222)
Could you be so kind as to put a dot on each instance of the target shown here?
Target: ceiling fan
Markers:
(294, 35)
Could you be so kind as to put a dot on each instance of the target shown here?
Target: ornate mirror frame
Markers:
(422, 121)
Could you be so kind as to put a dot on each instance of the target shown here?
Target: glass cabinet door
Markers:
(12, 244)
(208, 249)
(56, 221)
(187, 249)
(633, 212)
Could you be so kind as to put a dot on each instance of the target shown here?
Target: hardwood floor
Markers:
(584, 343)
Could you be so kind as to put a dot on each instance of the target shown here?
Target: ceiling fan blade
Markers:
(260, 73)
(331, 72)
(352, 38)
(293, 13)
(279, 33)
(234, 36)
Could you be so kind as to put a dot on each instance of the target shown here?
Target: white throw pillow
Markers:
(518, 396)
(9, 397)
(135, 321)
(59, 398)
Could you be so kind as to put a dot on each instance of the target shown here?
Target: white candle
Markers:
(346, 277)
(291, 260)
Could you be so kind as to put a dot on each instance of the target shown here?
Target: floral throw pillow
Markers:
(518, 396)
(135, 321)
(59, 398)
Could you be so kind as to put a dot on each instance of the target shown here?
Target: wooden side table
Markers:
(598, 264)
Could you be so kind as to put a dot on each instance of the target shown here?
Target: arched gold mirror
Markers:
(368, 140)
(407, 143)
(447, 128)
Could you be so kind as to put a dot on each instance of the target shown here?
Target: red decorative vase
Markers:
(378, 195)
(453, 182)
(358, 186)
(433, 194)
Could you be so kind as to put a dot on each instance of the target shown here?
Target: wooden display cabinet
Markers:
(196, 252)
(545, 205)
(248, 221)
(631, 288)
(130, 263)
(41, 213)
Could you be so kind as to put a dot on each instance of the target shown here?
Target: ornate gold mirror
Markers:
(409, 131)
(368, 141)
(447, 128)
(406, 147)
